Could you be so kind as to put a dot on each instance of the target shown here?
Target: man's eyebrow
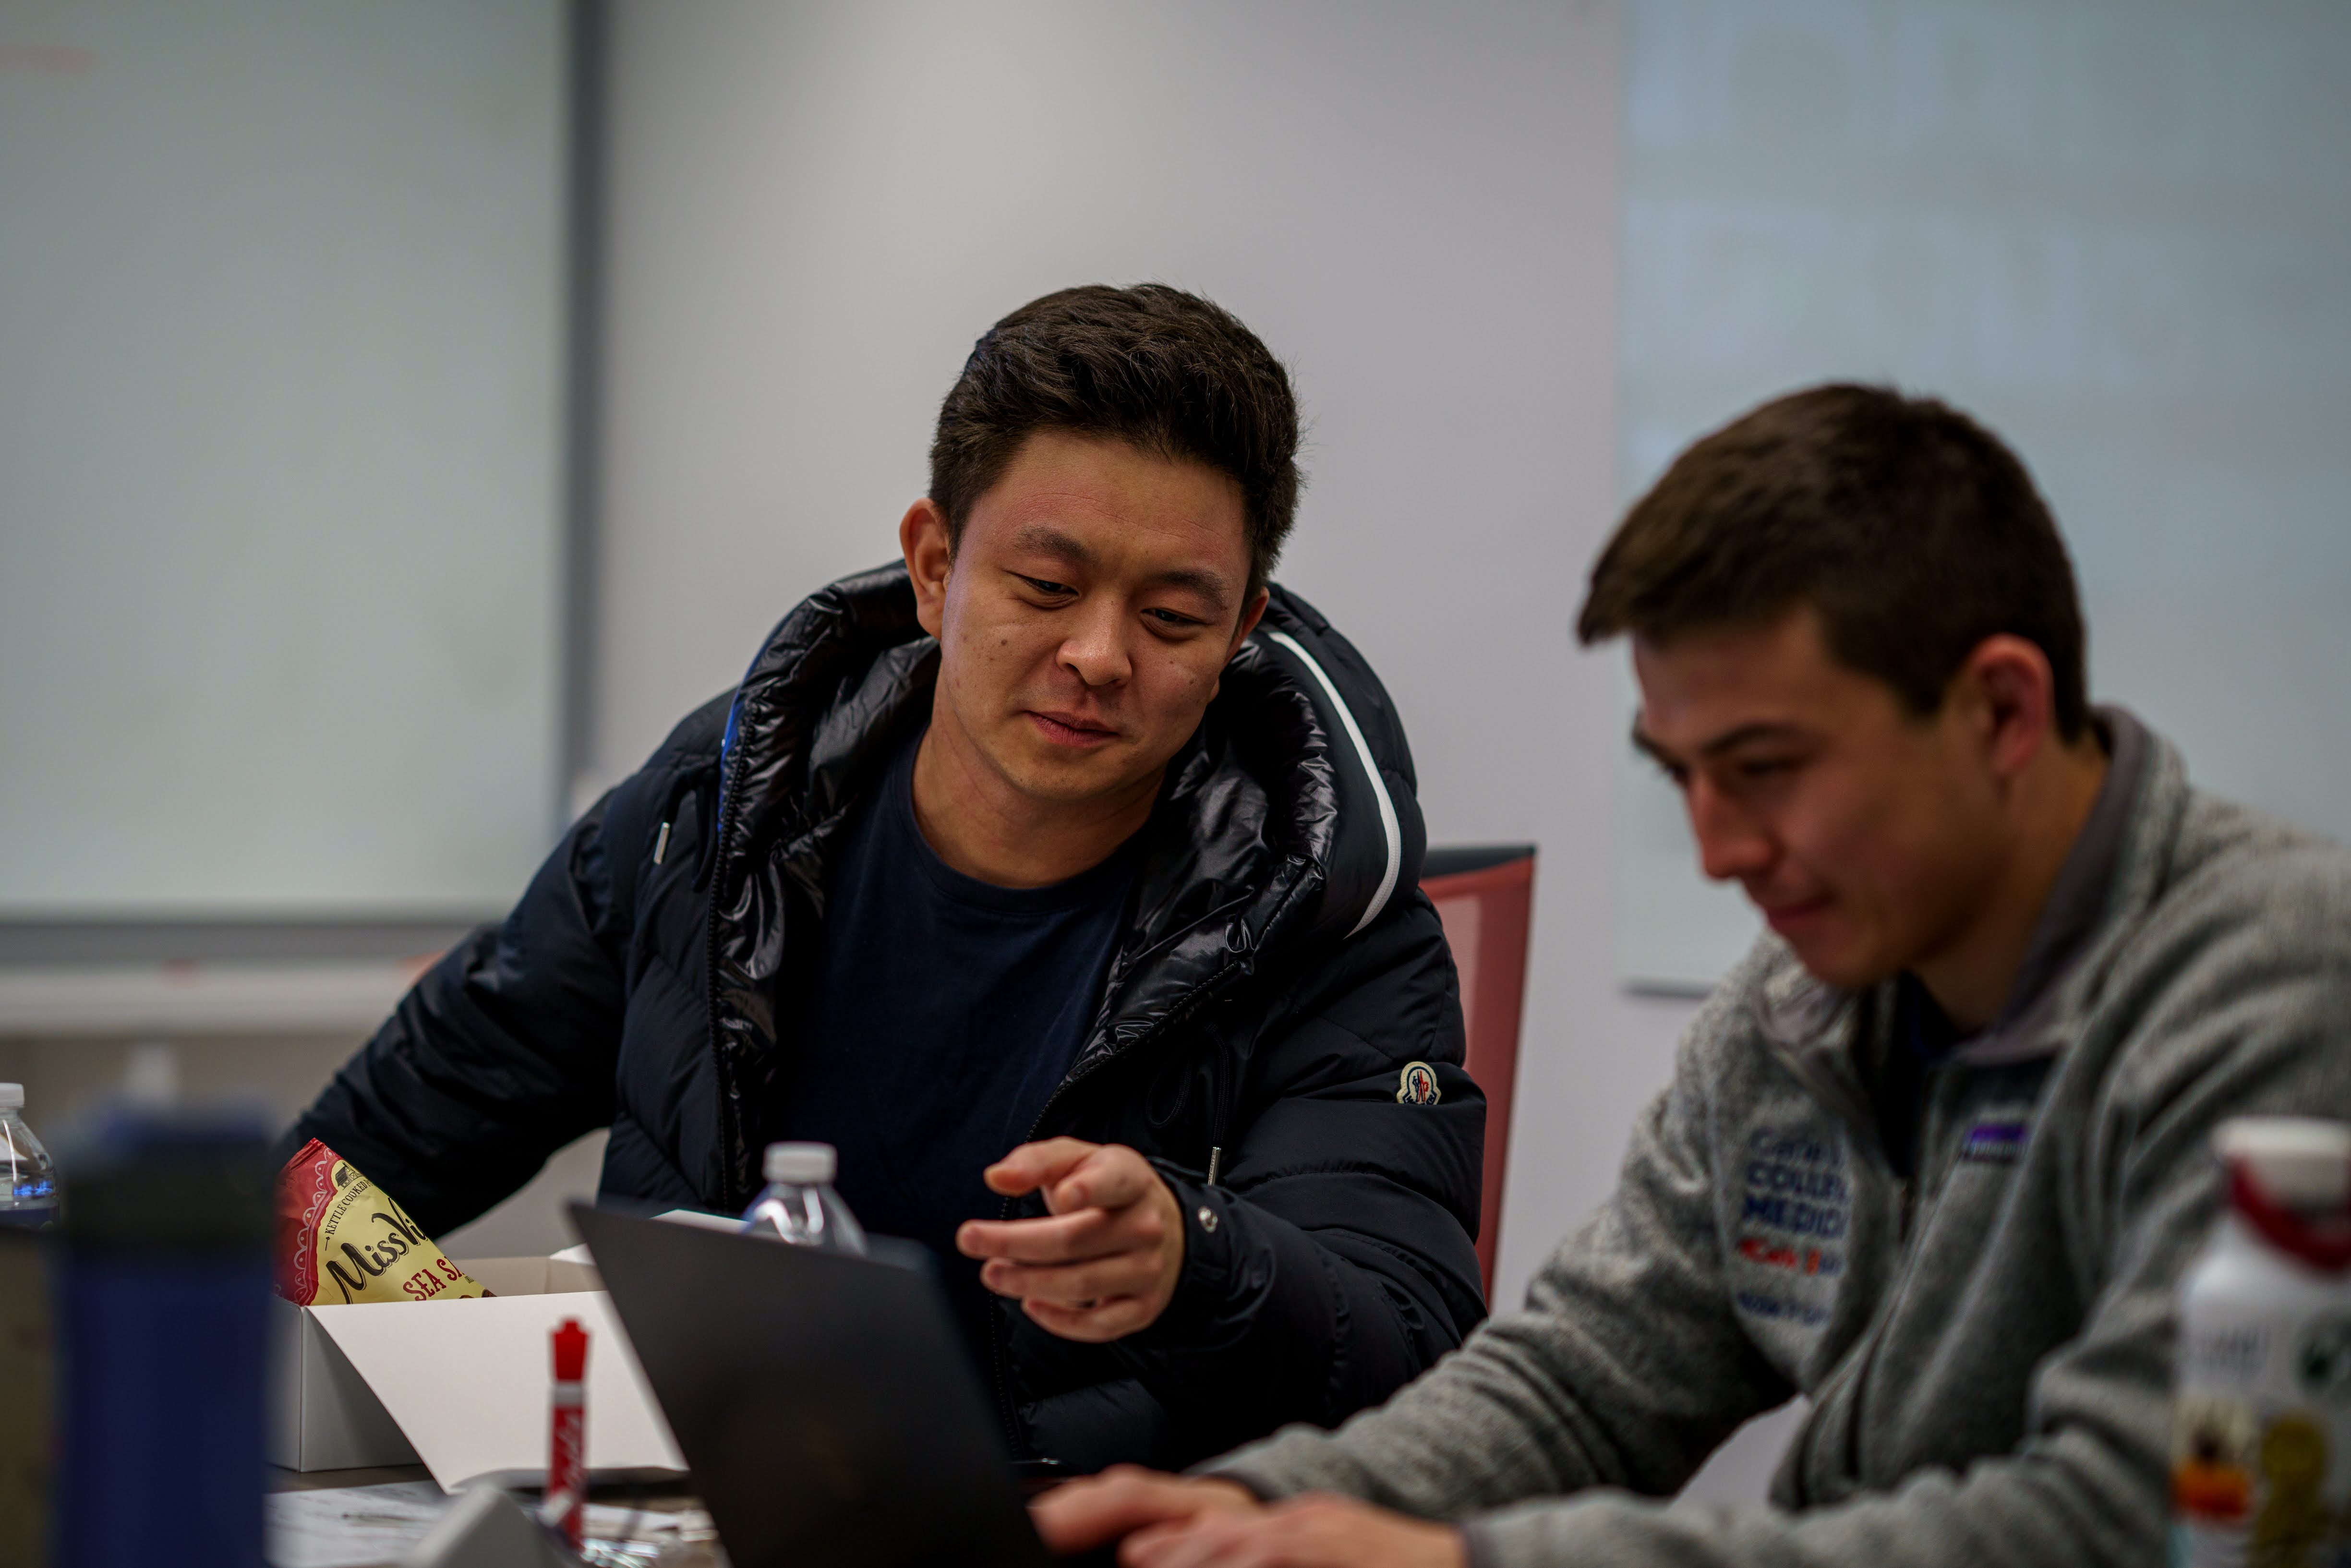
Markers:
(1048, 540)
(1200, 580)
(1747, 735)
(1650, 749)
(1052, 541)
(1729, 740)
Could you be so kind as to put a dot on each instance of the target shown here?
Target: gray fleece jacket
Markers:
(1988, 1351)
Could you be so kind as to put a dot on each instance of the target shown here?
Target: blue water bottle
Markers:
(162, 1298)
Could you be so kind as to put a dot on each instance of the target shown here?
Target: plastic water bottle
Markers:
(799, 1205)
(29, 1200)
(2261, 1463)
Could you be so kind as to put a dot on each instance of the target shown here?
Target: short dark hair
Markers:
(1908, 528)
(1165, 370)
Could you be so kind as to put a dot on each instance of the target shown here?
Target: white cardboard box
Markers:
(459, 1386)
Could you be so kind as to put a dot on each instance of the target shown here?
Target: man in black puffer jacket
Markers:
(1067, 850)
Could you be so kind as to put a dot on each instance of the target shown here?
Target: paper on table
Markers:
(349, 1527)
(365, 1527)
(476, 1400)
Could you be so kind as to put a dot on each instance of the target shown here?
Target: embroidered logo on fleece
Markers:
(1416, 1085)
(1995, 1141)
(1796, 1185)
(1796, 1208)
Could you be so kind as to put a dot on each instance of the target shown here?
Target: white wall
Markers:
(813, 211)
(2117, 234)
(281, 430)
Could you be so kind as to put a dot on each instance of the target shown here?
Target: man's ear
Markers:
(930, 555)
(2012, 692)
(1241, 630)
(1248, 623)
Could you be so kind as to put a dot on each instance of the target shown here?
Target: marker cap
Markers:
(570, 1341)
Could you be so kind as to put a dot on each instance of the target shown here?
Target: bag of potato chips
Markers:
(341, 1238)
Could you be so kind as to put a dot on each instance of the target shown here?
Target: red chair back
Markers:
(1486, 898)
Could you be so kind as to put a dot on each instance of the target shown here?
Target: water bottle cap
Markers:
(810, 1164)
(2297, 1162)
(12, 1096)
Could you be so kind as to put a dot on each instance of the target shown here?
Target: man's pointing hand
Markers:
(1104, 1264)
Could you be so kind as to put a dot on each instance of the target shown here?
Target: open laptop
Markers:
(825, 1405)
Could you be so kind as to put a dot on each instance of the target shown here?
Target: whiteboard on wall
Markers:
(281, 442)
(2119, 234)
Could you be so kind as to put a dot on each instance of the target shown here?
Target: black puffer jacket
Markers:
(1278, 970)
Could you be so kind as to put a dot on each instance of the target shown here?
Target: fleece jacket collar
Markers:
(2079, 903)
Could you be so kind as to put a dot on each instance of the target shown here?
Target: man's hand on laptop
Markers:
(1105, 1263)
(1169, 1521)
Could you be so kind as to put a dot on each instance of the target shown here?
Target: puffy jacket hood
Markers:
(1289, 818)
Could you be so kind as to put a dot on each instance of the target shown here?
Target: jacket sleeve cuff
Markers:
(1212, 1274)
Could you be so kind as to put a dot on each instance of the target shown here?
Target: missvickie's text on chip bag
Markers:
(341, 1238)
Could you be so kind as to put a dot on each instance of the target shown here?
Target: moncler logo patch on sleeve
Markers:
(1416, 1085)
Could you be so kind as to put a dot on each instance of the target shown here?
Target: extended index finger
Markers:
(1112, 1176)
(1033, 1165)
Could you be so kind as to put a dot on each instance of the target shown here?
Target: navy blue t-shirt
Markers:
(944, 1014)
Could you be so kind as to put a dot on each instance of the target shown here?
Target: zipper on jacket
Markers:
(731, 1121)
(998, 1337)
(1907, 1228)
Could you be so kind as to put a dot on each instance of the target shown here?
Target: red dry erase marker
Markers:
(566, 1505)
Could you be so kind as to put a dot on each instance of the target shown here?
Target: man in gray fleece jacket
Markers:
(1935, 1154)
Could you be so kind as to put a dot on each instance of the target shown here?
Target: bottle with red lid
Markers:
(2262, 1400)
